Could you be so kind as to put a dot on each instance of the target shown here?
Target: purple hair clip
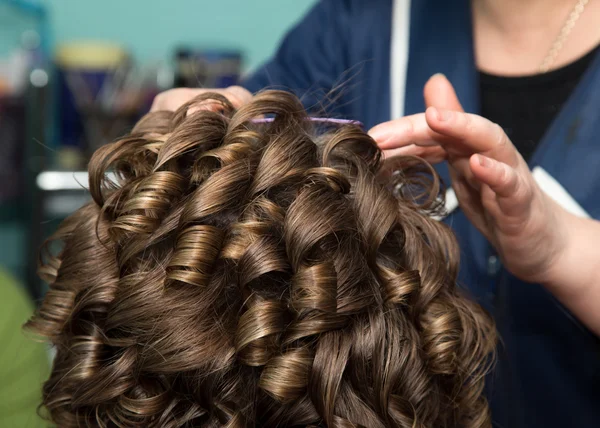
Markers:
(317, 119)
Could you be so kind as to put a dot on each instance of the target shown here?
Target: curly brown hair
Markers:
(230, 273)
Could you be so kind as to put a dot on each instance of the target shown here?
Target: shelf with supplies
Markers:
(62, 192)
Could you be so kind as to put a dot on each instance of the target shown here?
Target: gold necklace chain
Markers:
(562, 36)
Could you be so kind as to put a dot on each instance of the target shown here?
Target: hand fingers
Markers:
(172, 99)
(433, 154)
(237, 95)
(513, 195)
(406, 131)
(439, 92)
(473, 133)
(411, 135)
(414, 130)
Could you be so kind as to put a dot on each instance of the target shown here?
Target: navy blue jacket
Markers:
(548, 373)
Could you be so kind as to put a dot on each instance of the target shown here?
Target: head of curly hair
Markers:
(230, 273)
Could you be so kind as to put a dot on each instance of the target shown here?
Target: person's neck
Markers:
(524, 16)
(512, 37)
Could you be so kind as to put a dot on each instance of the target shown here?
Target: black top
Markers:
(526, 106)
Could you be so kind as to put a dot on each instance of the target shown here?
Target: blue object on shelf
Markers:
(71, 126)
(212, 68)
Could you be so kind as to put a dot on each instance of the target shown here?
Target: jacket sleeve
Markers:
(312, 57)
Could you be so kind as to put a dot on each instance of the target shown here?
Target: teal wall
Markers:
(11, 26)
(151, 28)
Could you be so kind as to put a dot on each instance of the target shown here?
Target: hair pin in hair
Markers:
(317, 119)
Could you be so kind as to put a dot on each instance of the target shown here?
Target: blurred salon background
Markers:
(75, 74)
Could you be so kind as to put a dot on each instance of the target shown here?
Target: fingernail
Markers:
(439, 75)
(376, 133)
(373, 133)
(444, 115)
(483, 161)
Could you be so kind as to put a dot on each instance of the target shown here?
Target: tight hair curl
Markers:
(230, 273)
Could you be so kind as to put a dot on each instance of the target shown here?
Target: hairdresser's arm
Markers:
(575, 279)
(537, 240)
(312, 55)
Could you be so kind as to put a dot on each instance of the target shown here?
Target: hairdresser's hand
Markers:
(172, 99)
(493, 183)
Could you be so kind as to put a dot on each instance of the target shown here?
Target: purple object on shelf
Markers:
(317, 119)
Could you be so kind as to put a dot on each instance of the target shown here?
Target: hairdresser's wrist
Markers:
(568, 273)
(533, 236)
(574, 275)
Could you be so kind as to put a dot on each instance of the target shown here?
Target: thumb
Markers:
(439, 93)
(238, 95)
